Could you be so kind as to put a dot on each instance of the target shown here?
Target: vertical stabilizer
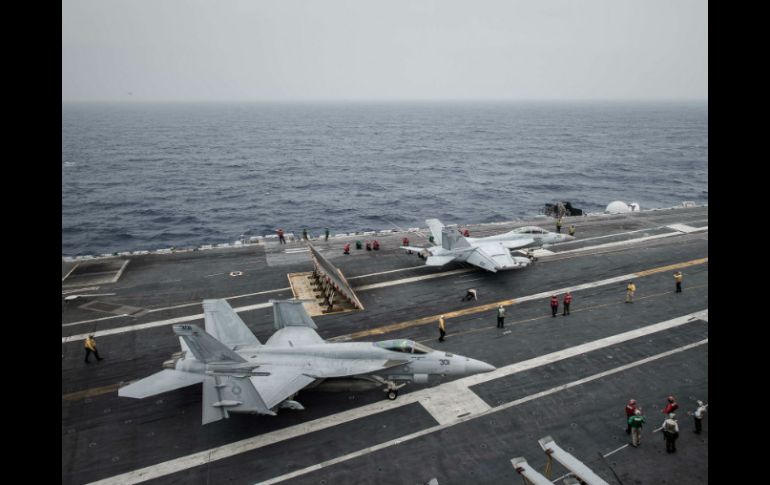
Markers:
(452, 239)
(435, 227)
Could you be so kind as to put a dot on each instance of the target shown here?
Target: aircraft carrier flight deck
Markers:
(567, 377)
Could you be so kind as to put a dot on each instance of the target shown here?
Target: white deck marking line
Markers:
(451, 401)
(120, 271)
(176, 306)
(73, 290)
(93, 320)
(159, 323)
(646, 229)
(616, 450)
(626, 242)
(413, 279)
(250, 444)
(502, 407)
(422, 266)
(70, 271)
(685, 228)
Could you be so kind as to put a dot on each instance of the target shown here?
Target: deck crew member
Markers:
(441, 328)
(470, 295)
(281, 239)
(567, 301)
(572, 230)
(670, 432)
(500, 317)
(558, 225)
(678, 279)
(671, 405)
(90, 347)
(698, 416)
(554, 305)
(346, 249)
(326, 234)
(630, 290)
(635, 422)
(630, 410)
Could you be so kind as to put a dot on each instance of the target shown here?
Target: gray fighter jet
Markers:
(492, 253)
(242, 375)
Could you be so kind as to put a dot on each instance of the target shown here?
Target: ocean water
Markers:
(147, 176)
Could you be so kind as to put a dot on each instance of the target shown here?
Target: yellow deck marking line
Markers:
(672, 266)
(95, 391)
(491, 306)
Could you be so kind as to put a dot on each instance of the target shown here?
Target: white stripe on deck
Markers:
(686, 229)
(451, 401)
(414, 278)
(159, 323)
(423, 396)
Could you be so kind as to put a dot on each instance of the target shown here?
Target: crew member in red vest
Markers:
(376, 245)
(405, 242)
(554, 305)
(630, 410)
(346, 249)
(467, 233)
(671, 406)
(567, 301)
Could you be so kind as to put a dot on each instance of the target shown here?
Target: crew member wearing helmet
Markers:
(670, 432)
(630, 410)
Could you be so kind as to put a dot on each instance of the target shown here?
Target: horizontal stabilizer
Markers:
(160, 382)
(439, 260)
(412, 248)
(205, 347)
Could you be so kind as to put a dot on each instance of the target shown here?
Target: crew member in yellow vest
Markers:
(678, 279)
(630, 290)
(91, 347)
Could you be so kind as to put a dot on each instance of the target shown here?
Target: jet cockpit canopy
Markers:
(404, 345)
(530, 230)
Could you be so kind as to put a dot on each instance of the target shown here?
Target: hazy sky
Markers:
(384, 50)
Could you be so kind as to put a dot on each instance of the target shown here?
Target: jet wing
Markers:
(163, 381)
(517, 243)
(225, 325)
(282, 383)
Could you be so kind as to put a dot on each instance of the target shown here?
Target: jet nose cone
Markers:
(474, 366)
